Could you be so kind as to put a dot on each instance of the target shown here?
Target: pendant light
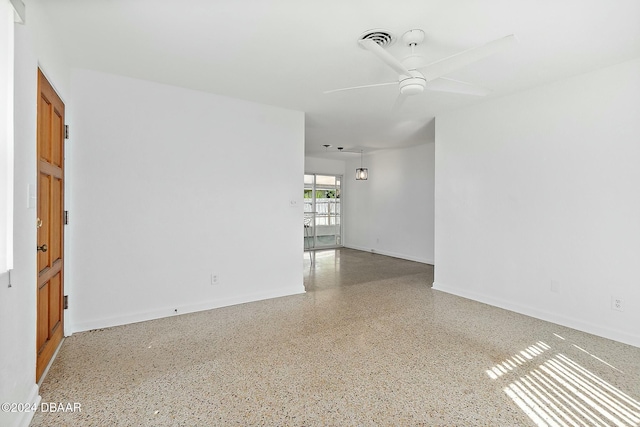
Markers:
(361, 173)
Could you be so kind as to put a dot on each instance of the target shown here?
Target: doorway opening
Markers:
(322, 213)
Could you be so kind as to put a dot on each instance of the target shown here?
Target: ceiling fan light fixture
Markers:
(412, 86)
(411, 89)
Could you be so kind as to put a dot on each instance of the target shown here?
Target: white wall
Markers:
(18, 303)
(323, 166)
(169, 186)
(6, 140)
(392, 212)
(541, 187)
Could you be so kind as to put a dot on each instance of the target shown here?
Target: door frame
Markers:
(314, 213)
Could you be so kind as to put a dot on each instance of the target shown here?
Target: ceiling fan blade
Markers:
(385, 56)
(444, 84)
(360, 87)
(454, 62)
(398, 104)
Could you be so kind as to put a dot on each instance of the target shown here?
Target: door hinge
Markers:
(66, 218)
(66, 131)
(66, 302)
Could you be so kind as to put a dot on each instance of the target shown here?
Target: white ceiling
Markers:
(287, 52)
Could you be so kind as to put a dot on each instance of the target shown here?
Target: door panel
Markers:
(44, 128)
(43, 208)
(50, 295)
(56, 211)
(57, 143)
(43, 313)
(55, 286)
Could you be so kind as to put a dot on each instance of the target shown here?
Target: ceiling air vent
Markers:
(384, 38)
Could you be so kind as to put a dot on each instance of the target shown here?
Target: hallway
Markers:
(333, 268)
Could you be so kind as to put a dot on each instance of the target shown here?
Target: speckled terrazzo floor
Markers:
(370, 343)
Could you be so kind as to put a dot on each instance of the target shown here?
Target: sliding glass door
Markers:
(322, 224)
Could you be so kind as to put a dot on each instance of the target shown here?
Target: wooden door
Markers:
(50, 249)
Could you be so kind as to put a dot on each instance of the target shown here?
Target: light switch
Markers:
(31, 196)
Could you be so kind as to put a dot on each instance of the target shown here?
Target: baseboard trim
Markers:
(392, 254)
(24, 418)
(183, 309)
(569, 322)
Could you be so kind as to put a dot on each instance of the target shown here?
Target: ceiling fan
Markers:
(415, 76)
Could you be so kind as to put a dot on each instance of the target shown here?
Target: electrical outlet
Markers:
(215, 279)
(617, 303)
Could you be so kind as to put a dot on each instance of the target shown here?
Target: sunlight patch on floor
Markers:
(526, 355)
(560, 392)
